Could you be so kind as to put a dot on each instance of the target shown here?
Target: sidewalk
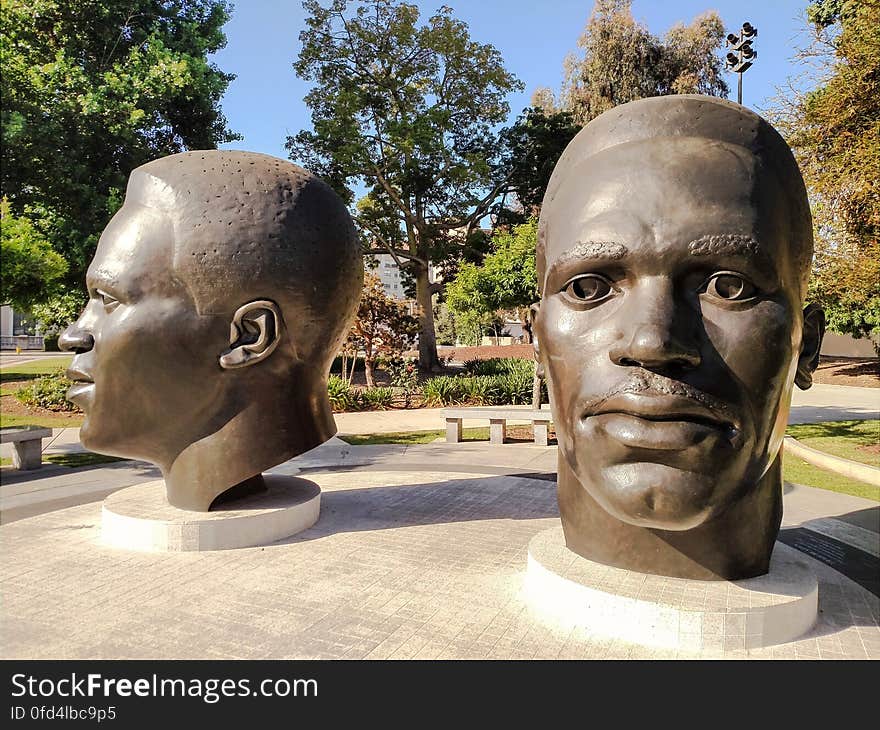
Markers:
(420, 552)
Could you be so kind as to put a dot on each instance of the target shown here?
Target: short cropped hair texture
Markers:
(249, 226)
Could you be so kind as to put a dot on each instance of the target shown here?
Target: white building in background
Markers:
(14, 331)
(6, 318)
(392, 280)
(389, 273)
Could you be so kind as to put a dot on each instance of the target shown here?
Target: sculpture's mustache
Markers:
(652, 384)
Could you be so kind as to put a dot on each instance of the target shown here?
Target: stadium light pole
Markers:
(742, 55)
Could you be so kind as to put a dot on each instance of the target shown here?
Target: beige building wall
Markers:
(835, 345)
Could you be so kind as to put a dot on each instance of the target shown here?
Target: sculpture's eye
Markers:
(730, 287)
(589, 288)
(110, 303)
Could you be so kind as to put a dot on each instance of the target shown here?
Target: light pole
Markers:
(742, 55)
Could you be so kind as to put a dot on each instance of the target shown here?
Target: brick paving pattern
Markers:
(401, 564)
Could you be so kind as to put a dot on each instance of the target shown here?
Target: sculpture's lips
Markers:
(79, 376)
(661, 422)
(661, 408)
(82, 383)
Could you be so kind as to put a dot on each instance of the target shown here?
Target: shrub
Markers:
(519, 367)
(377, 399)
(500, 366)
(482, 390)
(445, 390)
(515, 388)
(405, 376)
(336, 365)
(48, 391)
(341, 396)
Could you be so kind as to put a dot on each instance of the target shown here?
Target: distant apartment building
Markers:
(14, 331)
(389, 273)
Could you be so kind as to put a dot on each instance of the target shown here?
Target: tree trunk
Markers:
(354, 358)
(428, 360)
(536, 391)
(526, 320)
(368, 369)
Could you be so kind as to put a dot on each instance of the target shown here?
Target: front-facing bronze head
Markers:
(674, 249)
(218, 296)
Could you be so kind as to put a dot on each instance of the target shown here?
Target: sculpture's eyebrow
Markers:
(103, 279)
(586, 250)
(719, 244)
(735, 245)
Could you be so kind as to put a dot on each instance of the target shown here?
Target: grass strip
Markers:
(14, 419)
(411, 437)
(847, 439)
(33, 369)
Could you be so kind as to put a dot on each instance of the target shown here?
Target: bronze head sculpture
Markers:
(218, 295)
(674, 248)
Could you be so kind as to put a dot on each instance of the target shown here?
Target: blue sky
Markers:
(265, 102)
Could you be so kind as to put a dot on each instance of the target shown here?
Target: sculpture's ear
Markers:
(253, 334)
(534, 309)
(811, 343)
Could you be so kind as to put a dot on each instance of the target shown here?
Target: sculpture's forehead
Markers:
(666, 190)
(135, 251)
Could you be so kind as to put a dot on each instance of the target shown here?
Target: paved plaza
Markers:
(420, 552)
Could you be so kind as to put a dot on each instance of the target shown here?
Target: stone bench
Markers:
(498, 416)
(27, 442)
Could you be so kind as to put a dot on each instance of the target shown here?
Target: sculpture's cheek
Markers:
(150, 357)
(755, 345)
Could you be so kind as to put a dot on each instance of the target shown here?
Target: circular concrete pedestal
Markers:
(658, 611)
(140, 518)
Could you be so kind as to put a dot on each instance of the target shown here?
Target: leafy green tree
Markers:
(383, 325)
(92, 89)
(834, 130)
(445, 323)
(507, 279)
(409, 110)
(531, 148)
(624, 61)
(55, 314)
(31, 268)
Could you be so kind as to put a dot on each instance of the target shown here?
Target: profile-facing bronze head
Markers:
(218, 296)
(674, 248)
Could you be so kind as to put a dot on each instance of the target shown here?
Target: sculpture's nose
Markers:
(76, 339)
(659, 334)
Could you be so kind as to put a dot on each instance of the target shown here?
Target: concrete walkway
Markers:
(420, 552)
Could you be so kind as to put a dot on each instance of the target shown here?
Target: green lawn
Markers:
(30, 371)
(14, 419)
(33, 369)
(798, 471)
(412, 437)
(841, 438)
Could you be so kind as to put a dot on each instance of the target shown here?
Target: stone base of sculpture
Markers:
(140, 518)
(688, 615)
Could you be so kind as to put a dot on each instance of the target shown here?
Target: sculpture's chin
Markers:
(101, 440)
(657, 496)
